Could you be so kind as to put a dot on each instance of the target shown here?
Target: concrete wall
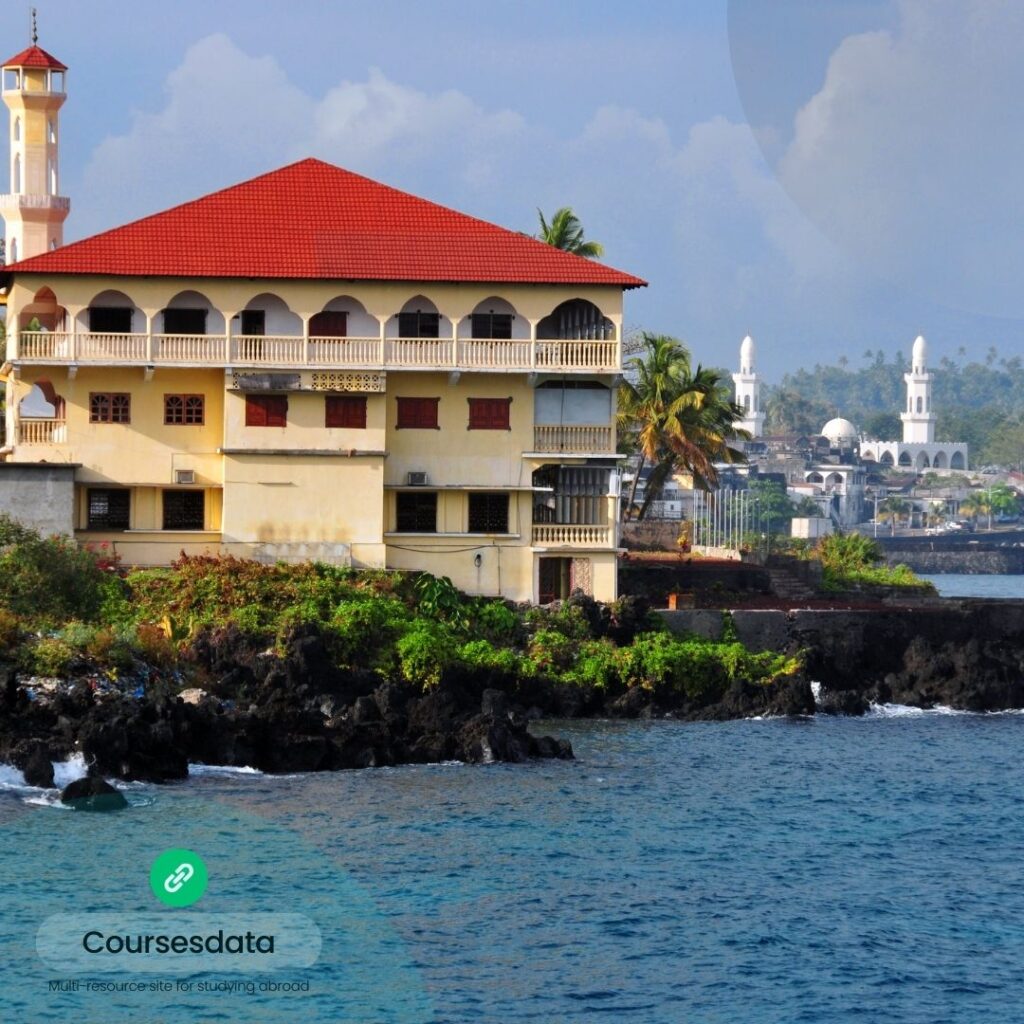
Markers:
(39, 496)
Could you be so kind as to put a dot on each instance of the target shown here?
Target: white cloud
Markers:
(909, 155)
(229, 116)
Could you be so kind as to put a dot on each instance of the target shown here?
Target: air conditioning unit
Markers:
(184, 476)
(417, 479)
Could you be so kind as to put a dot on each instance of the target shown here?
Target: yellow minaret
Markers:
(33, 210)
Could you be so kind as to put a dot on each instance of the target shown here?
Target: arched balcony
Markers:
(576, 334)
(41, 416)
(279, 329)
(111, 327)
(43, 326)
(419, 335)
(343, 333)
(269, 333)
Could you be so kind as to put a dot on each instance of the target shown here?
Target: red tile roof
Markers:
(314, 220)
(34, 57)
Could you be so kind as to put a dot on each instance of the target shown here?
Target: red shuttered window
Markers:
(266, 410)
(345, 411)
(489, 413)
(417, 414)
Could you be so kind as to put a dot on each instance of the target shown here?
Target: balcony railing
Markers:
(281, 351)
(33, 201)
(571, 535)
(572, 438)
(42, 431)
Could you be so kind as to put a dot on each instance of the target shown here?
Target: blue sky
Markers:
(829, 176)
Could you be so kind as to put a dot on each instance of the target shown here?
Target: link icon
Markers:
(178, 877)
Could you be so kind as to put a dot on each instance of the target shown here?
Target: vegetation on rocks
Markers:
(68, 612)
(851, 561)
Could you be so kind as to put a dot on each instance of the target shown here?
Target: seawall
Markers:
(968, 654)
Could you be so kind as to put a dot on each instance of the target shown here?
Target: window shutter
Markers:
(346, 411)
(490, 414)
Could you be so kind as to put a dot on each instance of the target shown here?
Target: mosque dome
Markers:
(841, 433)
(747, 353)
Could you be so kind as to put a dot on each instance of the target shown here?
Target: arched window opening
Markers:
(16, 176)
(576, 319)
(905, 459)
(419, 318)
(920, 404)
(746, 402)
(886, 459)
(17, 129)
(957, 461)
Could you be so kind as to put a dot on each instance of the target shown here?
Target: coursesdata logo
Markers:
(178, 877)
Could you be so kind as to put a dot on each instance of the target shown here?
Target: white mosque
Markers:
(918, 450)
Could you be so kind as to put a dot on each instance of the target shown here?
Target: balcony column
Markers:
(305, 318)
(228, 317)
(383, 321)
(149, 336)
(73, 313)
(456, 320)
(617, 321)
(533, 343)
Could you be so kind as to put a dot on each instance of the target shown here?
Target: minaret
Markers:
(748, 391)
(33, 210)
(918, 418)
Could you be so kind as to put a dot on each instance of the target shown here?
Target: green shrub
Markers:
(494, 620)
(425, 651)
(49, 656)
(598, 663)
(551, 652)
(484, 655)
(10, 630)
(363, 633)
(851, 560)
(48, 580)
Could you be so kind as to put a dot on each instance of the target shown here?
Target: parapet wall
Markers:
(40, 495)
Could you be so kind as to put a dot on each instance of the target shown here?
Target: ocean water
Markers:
(817, 870)
(962, 585)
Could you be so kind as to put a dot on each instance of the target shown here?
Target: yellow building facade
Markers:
(461, 427)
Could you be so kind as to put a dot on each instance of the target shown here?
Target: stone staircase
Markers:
(787, 586)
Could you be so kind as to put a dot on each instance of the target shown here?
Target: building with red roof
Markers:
(312, 364)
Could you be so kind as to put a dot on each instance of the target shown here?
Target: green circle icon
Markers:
(178, 877)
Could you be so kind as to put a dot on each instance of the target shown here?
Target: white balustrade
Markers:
(187, 348)
(418, 352)
(121, 348)
(497, 353)
(577, 354)
(571, 535)
(39, 430)
(572, 438)
(344, 351)
(44, 345)
(287, 351)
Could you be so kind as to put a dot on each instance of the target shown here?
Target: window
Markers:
(417, 414)
(184, 510)
(417, 512)
(488, 513)
(266, 410)
(329, 325)
(489, 413)
(110, 320)
(110, 407)
(346, 411)
(184, 321)
(254, 321)
(186, 409)
(492, 325)
(108, 509)
(419, 325)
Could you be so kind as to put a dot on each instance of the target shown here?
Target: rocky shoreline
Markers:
(298, 712)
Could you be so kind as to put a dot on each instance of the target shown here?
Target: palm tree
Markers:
(679, 419)
(565, 232)
(891, 509)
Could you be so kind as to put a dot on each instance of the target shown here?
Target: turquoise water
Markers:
(817, 870)
(961, 585)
